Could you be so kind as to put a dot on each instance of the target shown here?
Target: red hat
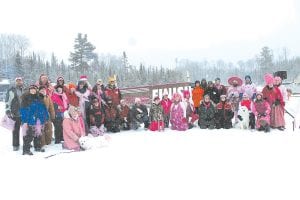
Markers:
(233, 79)
(83, 77)
(186, 93)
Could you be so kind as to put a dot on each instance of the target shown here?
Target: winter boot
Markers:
(267, 128)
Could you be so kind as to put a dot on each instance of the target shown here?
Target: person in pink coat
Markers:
(178, 114)
(166, 104)
(261, 110)
(73, 129)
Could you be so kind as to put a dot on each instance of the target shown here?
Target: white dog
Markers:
(91, 142)
(243, 118)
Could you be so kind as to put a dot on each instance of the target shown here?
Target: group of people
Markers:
(79, 109)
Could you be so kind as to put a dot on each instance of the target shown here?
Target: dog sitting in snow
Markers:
(91, 142)
(243, 118)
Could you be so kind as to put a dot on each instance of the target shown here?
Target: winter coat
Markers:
(213, 94)
(138, 112)
(221, 89)
(124, 112)
(13, 100)
(197, 95)
(60, 104)
(84, 101)
(112, 118)
(113, 92)
(206, 114)
(33, 109)
(72, 131)
(233, 96)
(272, 95)
(156, 112)
(223, 115)
(97, 116)
(49, 105)
(261, 109)
(166, 104)
(250, 90)
(178, 117)
(191, 116)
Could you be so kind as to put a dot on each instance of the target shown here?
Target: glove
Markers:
(276, 102)
(9, 114)
(240, 117)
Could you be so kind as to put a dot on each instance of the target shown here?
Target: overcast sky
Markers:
(156, 32)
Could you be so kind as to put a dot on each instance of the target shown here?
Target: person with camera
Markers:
(12, 106)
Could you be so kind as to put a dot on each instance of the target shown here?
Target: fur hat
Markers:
(111, 79)
(269, 79)
(83, 78)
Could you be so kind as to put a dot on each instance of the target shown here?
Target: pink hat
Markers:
(232, 79)
(269, 79)
(83, 77)
(186, 93)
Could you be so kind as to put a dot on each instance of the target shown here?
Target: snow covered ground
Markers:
(196, 164)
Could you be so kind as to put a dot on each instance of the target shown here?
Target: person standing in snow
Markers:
(284, 93)
(274, 97)
(60, 102)
(220, 88)
(112, 91)
(166, 104)
(249, 88)
(197, 95)
(34, 115)
(191, 115)
(156, 115)
(12, 106)
(234, 94)
(48, 130)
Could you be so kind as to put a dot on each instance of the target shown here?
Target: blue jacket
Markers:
(33, 110)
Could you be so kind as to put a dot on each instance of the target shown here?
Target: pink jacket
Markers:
(72, 131)
(166, 104)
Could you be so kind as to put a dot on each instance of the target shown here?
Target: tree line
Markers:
(17, 60)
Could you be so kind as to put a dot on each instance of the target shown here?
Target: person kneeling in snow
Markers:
(224, 114)
(112, 118)
(178, 114)
(96, 119)
(73, 128)
(139, 115)
(262, 110)
(207, 113)
(156, 116)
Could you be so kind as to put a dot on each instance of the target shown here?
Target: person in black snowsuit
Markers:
(223, 114)
(139, 115)
(12, 106)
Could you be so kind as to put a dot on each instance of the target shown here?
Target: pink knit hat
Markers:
(186, 93)
(269, 79)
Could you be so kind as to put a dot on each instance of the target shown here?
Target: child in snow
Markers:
(206, 113)
(224, 114)
(261, 110)
(191, 115)
(124, 111)
(178, 114)
(139, 115)
(96, 119)
(156, 115)
(166, 104)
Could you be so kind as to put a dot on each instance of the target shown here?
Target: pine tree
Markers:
(83, 54)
